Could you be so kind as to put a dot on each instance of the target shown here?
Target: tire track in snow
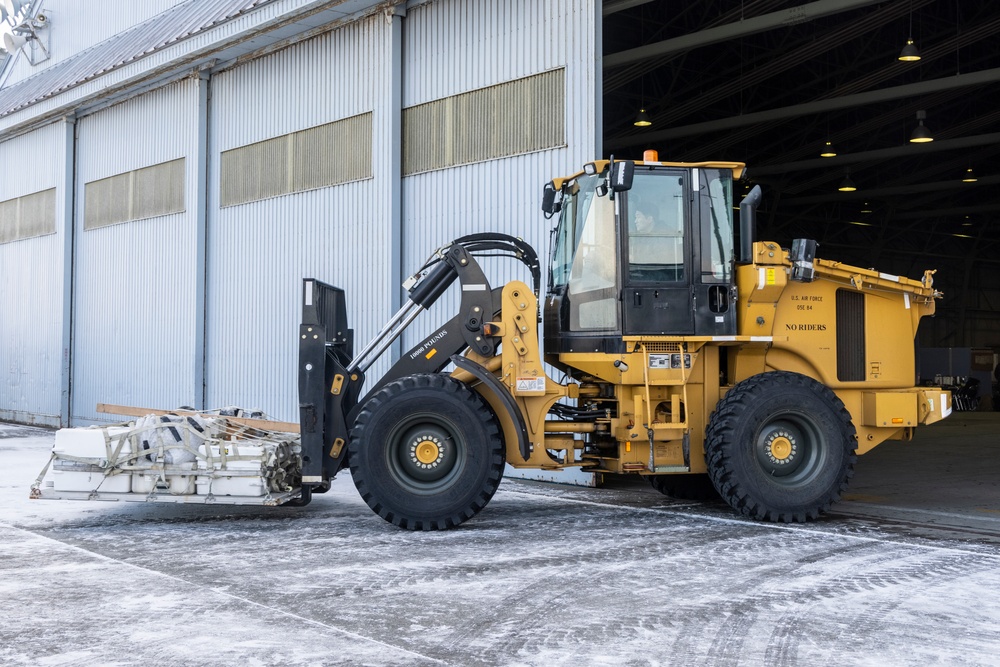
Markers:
(223, 593)
(803, 529)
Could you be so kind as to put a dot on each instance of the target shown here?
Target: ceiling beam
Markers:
(949, 212)
(621, 5)
(819, 106)
(723, 33)
(917, 188)
(665, 111)
(905, 151)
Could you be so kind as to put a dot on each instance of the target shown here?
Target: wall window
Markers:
(319, 157)
(135, 195)
(28, 216)
(511, 118)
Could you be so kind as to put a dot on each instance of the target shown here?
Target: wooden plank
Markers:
(267, 424)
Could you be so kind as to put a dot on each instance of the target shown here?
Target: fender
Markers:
(503, 396)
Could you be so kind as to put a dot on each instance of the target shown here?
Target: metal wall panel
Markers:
(451, 47)
(31, 285)
(454, 46)
(259, 252)
(135, 284)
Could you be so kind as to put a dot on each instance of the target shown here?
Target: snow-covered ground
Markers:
(546, 575)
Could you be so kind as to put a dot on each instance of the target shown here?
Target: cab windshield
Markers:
(584, 256)
(585, 234)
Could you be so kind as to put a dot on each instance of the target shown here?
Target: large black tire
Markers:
(781, 447)
(426, 453)
(685, 487)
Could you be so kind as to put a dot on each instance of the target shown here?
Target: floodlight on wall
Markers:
(847, 185)
(921, 135)
(970, 176)
(828, 150)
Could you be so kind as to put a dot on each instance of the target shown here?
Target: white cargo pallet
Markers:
(200, 460)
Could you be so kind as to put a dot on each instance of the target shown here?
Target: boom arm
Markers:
(331, 379)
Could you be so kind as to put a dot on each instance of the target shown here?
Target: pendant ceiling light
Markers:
(847, 185)
(642, 119)
(921, 135)
(828, 150)
(910, 53)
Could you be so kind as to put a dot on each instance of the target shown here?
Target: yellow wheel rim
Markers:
(427, 452)
(781, 448)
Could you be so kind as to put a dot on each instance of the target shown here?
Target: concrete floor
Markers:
(905, 571)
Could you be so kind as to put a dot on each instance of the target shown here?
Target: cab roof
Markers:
(600, 165)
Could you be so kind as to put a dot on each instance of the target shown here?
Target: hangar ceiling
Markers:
(768, 82)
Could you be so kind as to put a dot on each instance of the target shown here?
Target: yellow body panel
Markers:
(662, 412)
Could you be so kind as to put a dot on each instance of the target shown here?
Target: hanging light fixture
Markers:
(642, 118)
(910, 53)
(921, 135)
(847, 185)
(970, 176)
(828, 150)
(866, 208)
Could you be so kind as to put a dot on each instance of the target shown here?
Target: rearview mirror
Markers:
(551, 199)
(621, 175)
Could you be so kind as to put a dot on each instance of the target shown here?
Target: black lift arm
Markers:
(331, 377)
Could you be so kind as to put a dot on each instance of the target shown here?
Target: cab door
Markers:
(713, 287)
(656, 258)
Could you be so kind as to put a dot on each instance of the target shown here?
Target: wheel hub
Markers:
(426, 452)
(423, 454)
(781, 448)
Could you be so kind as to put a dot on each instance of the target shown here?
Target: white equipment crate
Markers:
(231, 470)
(82, 455)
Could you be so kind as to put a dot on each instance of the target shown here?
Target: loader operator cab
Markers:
(644, 248)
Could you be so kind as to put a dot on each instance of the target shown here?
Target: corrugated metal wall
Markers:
(31, 284)
(135, 285)
(260, 251)
(138, 317)
(451, 47)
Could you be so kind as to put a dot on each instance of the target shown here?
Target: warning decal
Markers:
(531, 384)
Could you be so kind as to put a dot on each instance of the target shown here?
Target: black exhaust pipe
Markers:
(748, 224)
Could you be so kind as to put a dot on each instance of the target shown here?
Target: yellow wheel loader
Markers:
(687, 352)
